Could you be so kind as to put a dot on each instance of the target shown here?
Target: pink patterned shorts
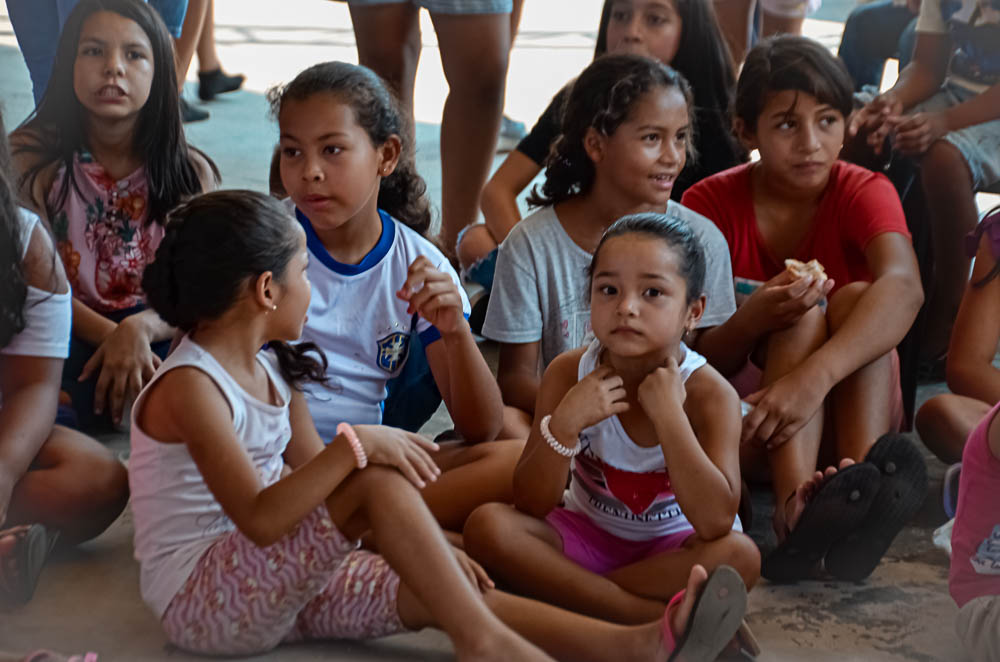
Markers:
(314, 583)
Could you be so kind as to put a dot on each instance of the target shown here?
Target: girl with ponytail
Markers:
(387, 310)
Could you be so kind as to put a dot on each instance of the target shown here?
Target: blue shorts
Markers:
(172, 12)
(979, 144)
(447, 6)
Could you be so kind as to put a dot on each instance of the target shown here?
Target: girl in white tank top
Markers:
(247, 525)
(646, 433)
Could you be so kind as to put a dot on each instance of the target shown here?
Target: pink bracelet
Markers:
(352, 438)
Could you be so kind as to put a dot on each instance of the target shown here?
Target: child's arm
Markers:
(917, 81)
(185, 406)
(879, 320)
(916, 133)
(698, 425)
(976, 333)
(465, 381)
(517, 374)
(29, 385)
(124, 360)
(499, 199)
(541, 473)
(777, 304)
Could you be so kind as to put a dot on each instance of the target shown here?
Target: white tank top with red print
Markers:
(622, 487)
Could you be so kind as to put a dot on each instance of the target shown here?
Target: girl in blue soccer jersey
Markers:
(384, 297)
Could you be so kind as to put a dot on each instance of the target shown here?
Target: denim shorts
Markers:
(979, 144)
(172, 12)
(447, 6)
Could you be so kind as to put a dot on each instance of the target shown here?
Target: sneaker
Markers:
(215, 82)
(191, 113)
(511, 133)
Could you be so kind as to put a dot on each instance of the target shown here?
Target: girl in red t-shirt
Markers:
(814, 356)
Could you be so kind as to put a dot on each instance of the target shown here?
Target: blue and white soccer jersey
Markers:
(361, 325)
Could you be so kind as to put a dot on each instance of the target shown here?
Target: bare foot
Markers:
(787, 517)
(649, 638)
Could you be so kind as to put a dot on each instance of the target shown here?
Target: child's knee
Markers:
(840, 304)
(475, 244)
(744, 556)
(943, 164)
(486, 529)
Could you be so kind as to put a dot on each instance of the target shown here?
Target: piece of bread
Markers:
(803, 269)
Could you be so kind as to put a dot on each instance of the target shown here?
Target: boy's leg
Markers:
(75, 486)
(867, 403)
(471, 476)
(187, 42)
(388, 37)
(793, 462)
(474, 53)
(516, 423)
(948, 188)
(945, 421)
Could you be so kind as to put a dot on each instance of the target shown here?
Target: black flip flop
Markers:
(838, 507)
(22, 565)
(717, 614)
(902, 490)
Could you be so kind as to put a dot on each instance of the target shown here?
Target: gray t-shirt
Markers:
(540, 287)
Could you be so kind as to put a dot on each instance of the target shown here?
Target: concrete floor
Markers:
(88, 598)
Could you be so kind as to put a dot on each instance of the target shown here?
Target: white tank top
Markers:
(622, 487)
(176, 516)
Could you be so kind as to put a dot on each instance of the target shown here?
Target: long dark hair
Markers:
(58, 126)
(13, 284)
(602, 98)
(675, 232)
(376, 110)
(703, 58)
(214, 245)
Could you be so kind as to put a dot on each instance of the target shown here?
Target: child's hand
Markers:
(404, 450)
(434, 295)
(781, 410)
(916, 133)
(661, 386)
(126, 363)
(782, 301)
(591, 400)
(875, 120)
(473, 571)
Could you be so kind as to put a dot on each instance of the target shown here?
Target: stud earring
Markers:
(274, 307)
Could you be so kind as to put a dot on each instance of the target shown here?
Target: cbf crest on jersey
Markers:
(393, 350)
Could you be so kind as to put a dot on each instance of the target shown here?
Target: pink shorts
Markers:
(601, 552)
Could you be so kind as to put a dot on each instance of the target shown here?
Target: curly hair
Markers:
(602, 98)
(403, 193)
(213, 246)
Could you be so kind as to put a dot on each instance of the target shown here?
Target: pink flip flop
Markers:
(716, 617)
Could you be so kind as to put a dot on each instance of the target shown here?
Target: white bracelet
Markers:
(550, 439)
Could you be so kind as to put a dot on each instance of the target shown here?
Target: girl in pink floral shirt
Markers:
(104, 159)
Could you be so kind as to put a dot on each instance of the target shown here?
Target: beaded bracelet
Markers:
(352, 438)
(550, 439)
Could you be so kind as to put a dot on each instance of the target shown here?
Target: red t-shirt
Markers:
(856, 206)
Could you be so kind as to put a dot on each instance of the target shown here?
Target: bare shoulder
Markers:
(709, 393)
(565, 366)
(42, 268)
(184, 398)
